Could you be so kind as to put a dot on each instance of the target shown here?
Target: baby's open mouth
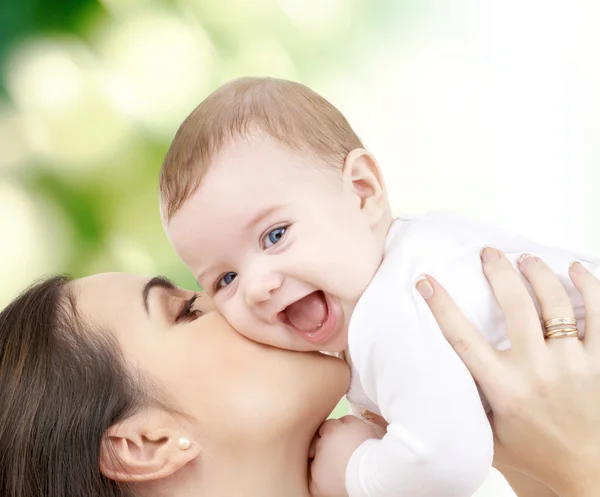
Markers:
(308, 314)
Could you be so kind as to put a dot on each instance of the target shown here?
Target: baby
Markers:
(273, 203)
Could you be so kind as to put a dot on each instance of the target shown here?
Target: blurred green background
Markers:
(92, 93)
(457, 93)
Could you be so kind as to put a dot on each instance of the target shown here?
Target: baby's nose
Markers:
(262, 289)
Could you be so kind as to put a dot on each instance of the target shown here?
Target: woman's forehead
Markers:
(105, 295)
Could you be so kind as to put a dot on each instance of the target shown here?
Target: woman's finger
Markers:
(514, 299)
(550, 292)
(589, 286)
(475, 352)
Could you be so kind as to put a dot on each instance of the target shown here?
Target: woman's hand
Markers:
(544, 393)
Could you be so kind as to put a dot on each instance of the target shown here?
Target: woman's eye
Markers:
(227, 279)
(274, 236)
(188, 312)
(193, 313)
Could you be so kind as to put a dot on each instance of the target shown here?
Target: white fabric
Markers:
(439, 442)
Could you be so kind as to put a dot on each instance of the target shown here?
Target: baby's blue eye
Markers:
(227, 279)
(274, 236)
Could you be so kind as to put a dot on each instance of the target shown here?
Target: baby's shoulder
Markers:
(442, 226)
(434, 234)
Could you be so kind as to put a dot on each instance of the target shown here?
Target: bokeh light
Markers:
(260, 56)
(15, 151)
(164, 64)
(34, 239)
(69, 118)
(323, 19)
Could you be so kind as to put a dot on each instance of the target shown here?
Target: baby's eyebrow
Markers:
(261, 214)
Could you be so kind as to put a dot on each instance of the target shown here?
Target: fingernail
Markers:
(367, 415)
(424, 287)
(523, 258)
(578, 268)
(489, 254)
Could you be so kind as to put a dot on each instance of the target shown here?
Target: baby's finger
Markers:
(349, 419)
(327, 426)
(475, 352)
(514, 299)
(589, 286)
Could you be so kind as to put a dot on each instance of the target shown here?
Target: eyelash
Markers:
(187, 312)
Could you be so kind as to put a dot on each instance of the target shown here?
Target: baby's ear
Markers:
(363, 177)
(147, 446)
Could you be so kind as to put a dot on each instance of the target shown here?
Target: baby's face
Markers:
(280, 243)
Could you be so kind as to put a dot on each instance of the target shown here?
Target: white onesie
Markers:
(439, 442)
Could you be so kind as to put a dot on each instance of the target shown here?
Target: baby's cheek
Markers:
(243, 323)
(205, 303)
(233, 316)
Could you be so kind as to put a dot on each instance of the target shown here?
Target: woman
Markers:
(146, 382)
(114, 385)
(545, 394)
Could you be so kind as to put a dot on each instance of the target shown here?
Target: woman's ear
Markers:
(147, 446)
(362, 176)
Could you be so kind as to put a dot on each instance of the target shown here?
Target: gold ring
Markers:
(560, 322)
(567, 332)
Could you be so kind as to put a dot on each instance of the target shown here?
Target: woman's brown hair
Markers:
(62, 385)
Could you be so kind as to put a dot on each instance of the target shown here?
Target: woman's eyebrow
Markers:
(157, 281)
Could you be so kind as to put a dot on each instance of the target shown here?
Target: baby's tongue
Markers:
(309, 313)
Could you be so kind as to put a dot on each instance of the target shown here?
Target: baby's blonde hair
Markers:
(290, 112)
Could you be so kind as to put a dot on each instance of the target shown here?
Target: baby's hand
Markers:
(336, 441)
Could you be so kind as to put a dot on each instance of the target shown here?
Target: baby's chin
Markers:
(338, 342)
(336, 346)
(333, 348)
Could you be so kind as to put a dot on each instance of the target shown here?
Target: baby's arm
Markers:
(439, 441)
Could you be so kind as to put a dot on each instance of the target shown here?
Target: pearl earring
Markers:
(184, 443)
